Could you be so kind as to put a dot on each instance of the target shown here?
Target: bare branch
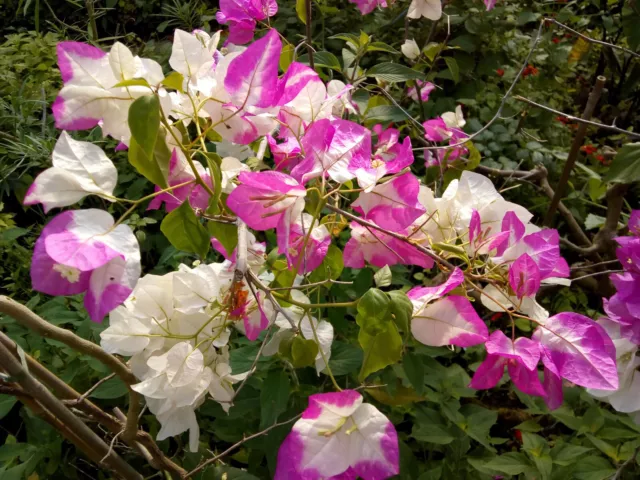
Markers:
(599, 125)
(142, 441)
(29, 319)
(592, 40)
(93, 445)
(594, 98)
(421, 248)
(503, 103)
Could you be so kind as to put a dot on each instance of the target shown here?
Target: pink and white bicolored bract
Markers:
(82, 251)
(339, 437)
(452, 320)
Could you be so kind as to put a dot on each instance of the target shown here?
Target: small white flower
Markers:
(410, 49)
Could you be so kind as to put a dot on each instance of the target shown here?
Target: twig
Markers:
(29, 319)
(593, 265)
(503, 103)
(142, 441)
(202, 466)
(593, 40)
(309, 285)
(632, 458)
(34, 388)
(86, 394)
(594, 98)
(602, 126)
(308, 6)
(428, 252)
(605, 272)
(253, 279)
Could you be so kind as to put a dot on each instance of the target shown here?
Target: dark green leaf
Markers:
(512, 463)
(385, 113)
(414, 369)
(625, 167)
(273, 397)
(452, 65)
(6, 404)
(322, 59)
(393, 72)
(185, 232)
(112, 388)
(381, 47)
(345, 358)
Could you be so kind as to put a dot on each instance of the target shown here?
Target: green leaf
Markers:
(286, 57)
(345, 358)
(225, 233)
(373, 311)
(303, 352)
(512, 463)
(381, 47)
(383, 277)
(605, 447)
(401, 309)
(414, 369)
(214, 162)
(112, 388)
(380, 350)
(330, 268)
(593, 468)
(174, 80)
(538, 450)
(527, 17)
(393, 72)
(347, 37)
(593, 221)
(6, 404)
(185, 232)
(274, 397)
(438, 434)
(301, 10)
(567, 454)
(322, 59)
(625, 167)
(452, 65)
(385, 113)
(134, 82)
(148, 151)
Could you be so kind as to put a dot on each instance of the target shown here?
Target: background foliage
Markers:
(447, 430)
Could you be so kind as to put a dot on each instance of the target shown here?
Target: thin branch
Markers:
(142, 441)
(94, 443)
(253, 279)
(594, 98)
(29, 319)
(592, 40)
(605, 272)
(202, 466)
(421, 248)
(632, 458)
(86, 394)
(599, 125)
(503, 103)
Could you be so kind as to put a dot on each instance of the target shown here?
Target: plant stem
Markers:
(308, 7)
(594, 97)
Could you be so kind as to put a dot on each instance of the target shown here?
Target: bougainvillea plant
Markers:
(315, 170)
